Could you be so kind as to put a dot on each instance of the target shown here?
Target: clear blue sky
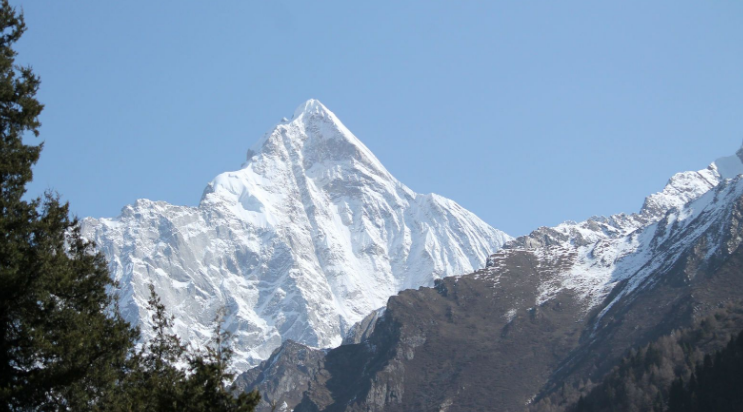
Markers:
(526, 113)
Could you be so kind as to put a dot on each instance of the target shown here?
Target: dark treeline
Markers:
(63, 344)
(715, 385)
(653, 377)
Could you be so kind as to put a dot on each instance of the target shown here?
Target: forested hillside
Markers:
(665, 372)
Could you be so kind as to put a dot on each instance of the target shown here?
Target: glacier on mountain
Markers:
(307, 238)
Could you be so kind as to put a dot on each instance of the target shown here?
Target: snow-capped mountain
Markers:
(598, 254)
(307, 238)
(554, 308)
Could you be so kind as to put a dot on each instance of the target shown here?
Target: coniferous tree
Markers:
(151, 380)
(63, 344)
(157, 382)
(207, 385)
(715, 386)
(687, 370)
(60, 340)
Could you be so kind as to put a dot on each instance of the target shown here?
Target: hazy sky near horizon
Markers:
(525, 113)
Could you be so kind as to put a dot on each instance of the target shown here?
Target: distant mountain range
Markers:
(307, 238)
(559, 306)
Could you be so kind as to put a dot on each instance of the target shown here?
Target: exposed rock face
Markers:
(285, 375)
(559, 305)
(361, 331)
(306, 239)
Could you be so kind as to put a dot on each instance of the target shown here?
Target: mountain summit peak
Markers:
(314, 136)
(308, 237)
(311, 106)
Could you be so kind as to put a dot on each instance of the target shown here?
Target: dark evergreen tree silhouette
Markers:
(63, 344)
(715, 385)
(693, 369)
(157, 381)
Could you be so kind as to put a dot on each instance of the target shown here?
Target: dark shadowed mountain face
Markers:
(643, 380)
(285, 375)
(560, 305)
(448, 345)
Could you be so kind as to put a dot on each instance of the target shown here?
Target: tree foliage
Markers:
(63, 344)
(60, 342)
(715, 384)
(158, 379)
(655, 376)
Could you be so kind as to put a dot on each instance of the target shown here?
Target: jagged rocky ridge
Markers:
(306, 239)
(559, 305)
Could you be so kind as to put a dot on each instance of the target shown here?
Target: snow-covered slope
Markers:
(307, 238)
(591, 258)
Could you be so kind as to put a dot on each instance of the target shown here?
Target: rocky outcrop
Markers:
(361, 331)
(283, 378)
